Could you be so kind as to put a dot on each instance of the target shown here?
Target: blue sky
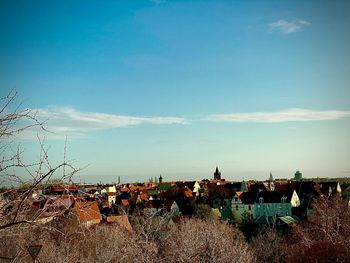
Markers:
(143, 88)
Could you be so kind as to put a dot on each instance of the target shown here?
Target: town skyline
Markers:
(143, 88)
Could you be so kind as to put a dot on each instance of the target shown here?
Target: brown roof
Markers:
(137, 188)
(144, 197)
(87, 211)
(281, 187)
(188, 193)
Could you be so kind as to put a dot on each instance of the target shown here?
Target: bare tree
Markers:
(103, 243)
(268, 245)
(194, 240)
(14, 170)
(325, 237)
(152, 231)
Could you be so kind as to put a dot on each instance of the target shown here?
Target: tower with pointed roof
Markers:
(271, 183)
(217, 174)
(244, 187)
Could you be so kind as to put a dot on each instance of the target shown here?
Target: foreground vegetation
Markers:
(153, 239)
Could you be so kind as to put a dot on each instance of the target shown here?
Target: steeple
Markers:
(217, 174)
(271, 183)
(244, 186)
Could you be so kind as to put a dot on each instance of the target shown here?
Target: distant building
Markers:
(298, 176)
(111, 198)
(88, 213)
(217, 174)
(271, 184)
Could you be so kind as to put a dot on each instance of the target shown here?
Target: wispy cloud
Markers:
(68, 121)
(288, 27)
(288, 115)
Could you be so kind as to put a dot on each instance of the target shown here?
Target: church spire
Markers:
(217, 174)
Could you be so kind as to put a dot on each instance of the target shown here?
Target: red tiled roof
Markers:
(87, 211)
(144, 197)
(137, 188)
(188, 193)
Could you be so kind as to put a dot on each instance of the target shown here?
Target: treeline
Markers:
(325, 238)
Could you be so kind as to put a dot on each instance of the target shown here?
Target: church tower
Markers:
(217, 174)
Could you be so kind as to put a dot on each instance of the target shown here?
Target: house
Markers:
(306, 191)
(110, 189)
(329, 188)
(243, 204)
(270, 205)
(263, 206)
(88, 213)
(142, 197)
(111, 198)
(215, 193)
(55, 205)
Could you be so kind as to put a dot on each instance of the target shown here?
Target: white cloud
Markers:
(62, 121)
(288, 115)
(288, 27)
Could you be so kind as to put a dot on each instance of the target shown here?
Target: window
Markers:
(261, 200)
(236, 207)
(249, 207)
